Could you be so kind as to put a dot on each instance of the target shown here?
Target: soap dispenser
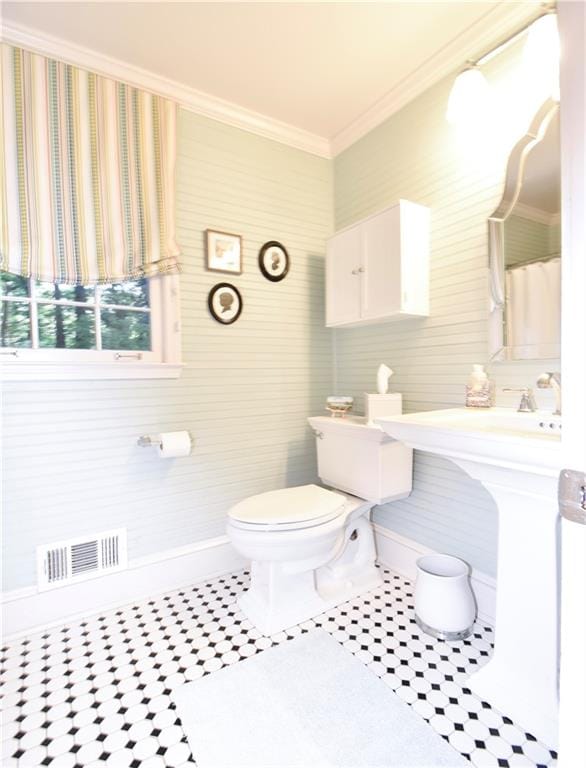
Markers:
(479, 390)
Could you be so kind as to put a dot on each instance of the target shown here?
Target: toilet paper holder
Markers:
(146, 441)
(168, 445)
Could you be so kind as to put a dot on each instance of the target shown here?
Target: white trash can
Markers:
(444, 602)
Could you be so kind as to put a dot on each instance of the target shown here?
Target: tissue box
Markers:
(377, 406)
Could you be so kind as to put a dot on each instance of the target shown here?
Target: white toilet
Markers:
(311, 548)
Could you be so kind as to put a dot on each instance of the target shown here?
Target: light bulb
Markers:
(469, 97)
(541, 55)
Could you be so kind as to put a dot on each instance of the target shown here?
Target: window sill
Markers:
(28, 370)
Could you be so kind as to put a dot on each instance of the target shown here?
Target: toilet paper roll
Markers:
(174, 445)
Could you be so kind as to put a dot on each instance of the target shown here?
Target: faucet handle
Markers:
(527, 404)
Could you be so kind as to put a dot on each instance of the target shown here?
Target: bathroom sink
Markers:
(500, 436)
(517, 458)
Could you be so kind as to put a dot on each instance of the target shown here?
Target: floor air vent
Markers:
(67, 562)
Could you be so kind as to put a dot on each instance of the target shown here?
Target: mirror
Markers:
(525, 247)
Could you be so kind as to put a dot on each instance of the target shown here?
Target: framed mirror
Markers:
(525, 247)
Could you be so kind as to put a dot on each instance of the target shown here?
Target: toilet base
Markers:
(337, 564)
(304, 602)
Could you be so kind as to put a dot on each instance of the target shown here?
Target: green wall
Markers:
(459, 173)
(71, 464)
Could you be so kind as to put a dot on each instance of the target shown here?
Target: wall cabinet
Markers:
(378, 268)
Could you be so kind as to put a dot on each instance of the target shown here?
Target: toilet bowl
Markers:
(310, 549)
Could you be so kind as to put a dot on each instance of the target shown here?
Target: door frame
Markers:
(572, 27)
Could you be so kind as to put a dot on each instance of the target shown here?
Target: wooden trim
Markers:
(572, 26)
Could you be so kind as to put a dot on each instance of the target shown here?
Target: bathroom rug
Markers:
(306, 703)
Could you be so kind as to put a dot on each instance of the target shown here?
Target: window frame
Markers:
(162, 361)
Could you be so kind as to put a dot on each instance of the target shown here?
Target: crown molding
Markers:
(487, 31)
(190, 98)
(480, 36)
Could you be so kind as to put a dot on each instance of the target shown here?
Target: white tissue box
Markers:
(378, 406)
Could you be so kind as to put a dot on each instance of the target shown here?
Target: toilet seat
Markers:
(304, 506)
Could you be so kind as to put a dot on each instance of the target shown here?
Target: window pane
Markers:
(13, 285)
(15, 324)
(81, 293)
(66, 327)
(122, 329)
(134, 293)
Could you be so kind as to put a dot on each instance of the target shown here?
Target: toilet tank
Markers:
(361, 459)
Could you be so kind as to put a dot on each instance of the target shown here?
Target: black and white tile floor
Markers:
(97, 692)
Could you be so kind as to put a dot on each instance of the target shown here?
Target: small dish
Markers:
(339, 406)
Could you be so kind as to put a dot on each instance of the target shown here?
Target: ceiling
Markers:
(319, 68)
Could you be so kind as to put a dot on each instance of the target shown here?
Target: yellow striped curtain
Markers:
(87, 170)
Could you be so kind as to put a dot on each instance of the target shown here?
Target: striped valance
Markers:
(87, 170)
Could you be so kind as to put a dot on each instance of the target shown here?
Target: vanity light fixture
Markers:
(541, 56)
(470, 91)
(469, 96)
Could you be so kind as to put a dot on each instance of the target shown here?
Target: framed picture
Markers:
(225, 303)
(273, 261)
(223, 252)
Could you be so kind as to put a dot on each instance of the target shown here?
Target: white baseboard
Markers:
(400, 554)
(27, 610)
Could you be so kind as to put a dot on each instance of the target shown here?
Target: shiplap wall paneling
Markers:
(527, 239)
(71, 464)
(459, 173)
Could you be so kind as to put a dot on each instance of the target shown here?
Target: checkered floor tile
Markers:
(97, 692)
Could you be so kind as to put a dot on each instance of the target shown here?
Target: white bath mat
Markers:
(307, 703)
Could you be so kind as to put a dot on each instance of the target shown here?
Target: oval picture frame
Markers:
(273, 261)
(220, 300)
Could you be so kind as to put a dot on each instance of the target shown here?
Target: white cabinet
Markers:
(378, 269)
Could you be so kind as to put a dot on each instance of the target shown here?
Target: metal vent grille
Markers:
(57, 564)
(110, 551)
(84, 557)
(66, 562)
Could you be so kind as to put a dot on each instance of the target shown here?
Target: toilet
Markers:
(310, 547)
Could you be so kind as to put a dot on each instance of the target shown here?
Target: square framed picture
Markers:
(223, 252)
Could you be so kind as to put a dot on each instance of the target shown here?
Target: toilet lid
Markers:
(303, 504)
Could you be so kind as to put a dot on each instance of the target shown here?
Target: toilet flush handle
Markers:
(318, 434)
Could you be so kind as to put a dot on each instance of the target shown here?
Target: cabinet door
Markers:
(343, 277)
(381, 263)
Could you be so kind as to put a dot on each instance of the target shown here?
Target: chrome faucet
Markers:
(527, 404)
(552, 380)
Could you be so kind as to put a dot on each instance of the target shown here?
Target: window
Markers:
(100, 218)
(130, 328)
